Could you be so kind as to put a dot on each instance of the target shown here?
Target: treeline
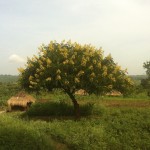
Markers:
(8, 78)
(137, 78)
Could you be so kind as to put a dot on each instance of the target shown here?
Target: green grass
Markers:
(57, 109)
(123, 128)
(106, 124)
(113, 128)
(16, 134)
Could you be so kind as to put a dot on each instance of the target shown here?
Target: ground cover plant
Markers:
(6, 91)
(16, 134)
(106, 123)
(114, 127)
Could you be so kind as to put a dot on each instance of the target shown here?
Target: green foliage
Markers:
(7, 90)
(146, 82)
(71, 66)
(146, 65)
(116, 128)
(16, 134)
(50, 109)
(62, 108)
(128, 128)
(81, 135)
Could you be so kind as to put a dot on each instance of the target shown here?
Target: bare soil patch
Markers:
(123, 103)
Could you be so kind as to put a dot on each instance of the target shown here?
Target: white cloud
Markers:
(16, 59)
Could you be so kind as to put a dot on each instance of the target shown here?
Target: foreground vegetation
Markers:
(109, 128)
(110, 123)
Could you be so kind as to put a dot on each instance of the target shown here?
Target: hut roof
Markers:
(114, 93)
(21, 99)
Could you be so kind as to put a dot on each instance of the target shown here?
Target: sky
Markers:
(120, 27)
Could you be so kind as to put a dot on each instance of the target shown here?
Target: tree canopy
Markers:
(146, 82)
(146, 66)
(71, 67)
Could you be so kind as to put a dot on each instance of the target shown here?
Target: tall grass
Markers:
(62, 108)
(113, 128)
(116, 128)
(16, 135)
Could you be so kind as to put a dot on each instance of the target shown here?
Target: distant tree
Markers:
(71, 67)
(146, 65)
(146, 82)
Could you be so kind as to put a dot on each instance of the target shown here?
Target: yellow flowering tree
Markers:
(71, 67)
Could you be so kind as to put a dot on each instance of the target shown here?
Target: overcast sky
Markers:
(120, 27)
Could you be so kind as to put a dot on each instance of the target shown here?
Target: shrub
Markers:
(16, 134)
(63, 109)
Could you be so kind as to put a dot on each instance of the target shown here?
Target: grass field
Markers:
(106, 124)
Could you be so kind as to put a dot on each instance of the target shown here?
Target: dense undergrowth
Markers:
(16, 134)
(106, 123)
(112, 128)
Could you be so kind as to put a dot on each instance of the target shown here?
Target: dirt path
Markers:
(126, 103)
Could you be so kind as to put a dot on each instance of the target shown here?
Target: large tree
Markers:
(71, 67)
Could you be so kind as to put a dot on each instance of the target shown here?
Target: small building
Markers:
(81, 92)
(114, 93)
(22, 100)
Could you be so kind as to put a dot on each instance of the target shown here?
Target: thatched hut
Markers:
(21, 100)
(81, 92)
(114, 93)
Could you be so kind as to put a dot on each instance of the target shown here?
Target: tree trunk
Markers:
(76, 105)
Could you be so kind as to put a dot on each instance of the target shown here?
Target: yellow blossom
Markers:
(36, 75)
(76, 80)
(65, 62)
(104, 68)
(31, 78)
(30, 86)
(92, 75)
(94, 61)
(58, 77)
(73, 57)
(41, 67)
(99, 65)
(48, 61)
(33, 83)
(109, 57)
(71, 62)
(65, 74)
(110, 86)
(91, 67)
(66, 82)
(104, 74)
(37, 80)
(40, 62)
(30, 65)
(49, 79)
(41, 73)
(21, 70)
(80, 73)
(37, 70)
(58, 71)
(43, 58)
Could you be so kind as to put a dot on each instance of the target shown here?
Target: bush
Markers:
(50, 109)
(63, 109)
(16, 134)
